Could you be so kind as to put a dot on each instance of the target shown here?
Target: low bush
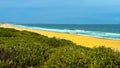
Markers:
(23, 49)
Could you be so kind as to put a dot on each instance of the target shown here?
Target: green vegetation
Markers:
(22, 49)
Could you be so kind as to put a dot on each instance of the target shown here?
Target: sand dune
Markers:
(80, 40)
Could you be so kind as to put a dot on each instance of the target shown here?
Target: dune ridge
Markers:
(79, 40)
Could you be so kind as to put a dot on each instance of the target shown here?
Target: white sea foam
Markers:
(79, 32)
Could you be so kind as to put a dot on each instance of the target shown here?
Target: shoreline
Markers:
(67, 33)
(58, 32)
(87, 41)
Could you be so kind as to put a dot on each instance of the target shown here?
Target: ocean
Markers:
(108, 31)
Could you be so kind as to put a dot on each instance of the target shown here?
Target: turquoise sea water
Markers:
(109, 31)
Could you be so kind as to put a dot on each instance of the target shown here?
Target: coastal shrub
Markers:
(68, 57)
(8, 32)
(73, 57)
(105, 57)
(23, 49)
(58, 42)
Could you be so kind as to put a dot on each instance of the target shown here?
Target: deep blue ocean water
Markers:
(110, 31)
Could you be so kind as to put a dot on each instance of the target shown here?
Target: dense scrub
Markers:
(23, 49)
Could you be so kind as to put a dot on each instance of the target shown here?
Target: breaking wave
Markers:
(79, 32)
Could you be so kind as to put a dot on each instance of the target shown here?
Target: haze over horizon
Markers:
(60, 12)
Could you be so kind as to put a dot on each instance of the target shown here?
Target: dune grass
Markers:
(23, 49)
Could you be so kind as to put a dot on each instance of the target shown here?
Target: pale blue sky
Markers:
(60, 11)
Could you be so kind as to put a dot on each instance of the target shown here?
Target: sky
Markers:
(60, 11)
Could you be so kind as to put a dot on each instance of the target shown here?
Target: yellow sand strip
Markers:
(80, 40)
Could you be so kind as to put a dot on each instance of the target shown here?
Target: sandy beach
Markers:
(80, 40)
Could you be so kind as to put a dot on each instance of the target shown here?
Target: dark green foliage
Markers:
(8, 32)
(54, 42)
(23, 49)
